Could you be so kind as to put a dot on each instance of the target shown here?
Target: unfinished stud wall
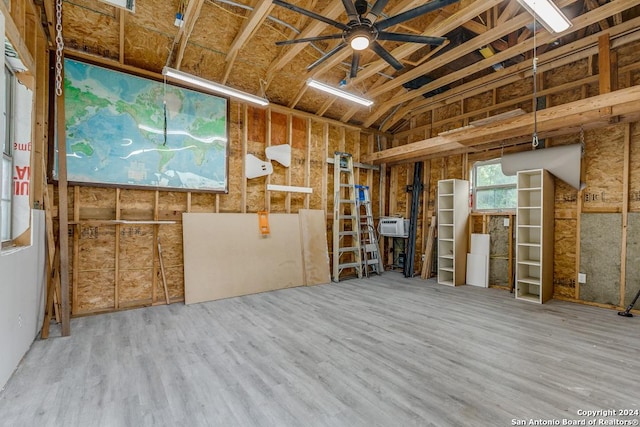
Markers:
(610, 201)
(115, 232)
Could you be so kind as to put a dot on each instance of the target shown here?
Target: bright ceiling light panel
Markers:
(338, 92)
(550, 16)
(212, 86)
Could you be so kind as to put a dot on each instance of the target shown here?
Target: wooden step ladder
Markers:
(371, 260)
(347, 252)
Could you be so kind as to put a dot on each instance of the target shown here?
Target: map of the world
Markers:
(130, 131)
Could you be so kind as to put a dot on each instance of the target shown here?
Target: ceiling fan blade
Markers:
(351, 10)
(309, 39)
(412, 38)
(311, 14)
(355, 62)
(327, 56)
(412, 13)
(376, 10)
(384, 54)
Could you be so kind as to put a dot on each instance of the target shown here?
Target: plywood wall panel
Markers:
(634, 169)
(95, 291)
(604, 169)
(203, 202)
(564, 257)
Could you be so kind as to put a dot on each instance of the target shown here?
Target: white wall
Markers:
(22, 290)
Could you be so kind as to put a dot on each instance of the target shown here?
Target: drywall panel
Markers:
(478, 269)
(225, 255)
(22, 280)
(600, 244)
(480, 244)
(315, 253)
(632, 275)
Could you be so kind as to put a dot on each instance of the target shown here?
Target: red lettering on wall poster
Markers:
(22, 146)
(23, 173)
(21, 181)
(21, 188)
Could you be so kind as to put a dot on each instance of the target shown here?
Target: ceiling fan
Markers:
(362, 31)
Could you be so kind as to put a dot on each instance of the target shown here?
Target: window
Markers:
(492, 190)
(7, 160)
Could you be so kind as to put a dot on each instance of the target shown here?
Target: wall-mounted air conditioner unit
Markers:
(130, 5)
(394, 227)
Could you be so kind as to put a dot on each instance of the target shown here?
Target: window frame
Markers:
(7, 149)
(475, 187)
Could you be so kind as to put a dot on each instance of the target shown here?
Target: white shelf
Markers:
(453, 213)
(534, 236)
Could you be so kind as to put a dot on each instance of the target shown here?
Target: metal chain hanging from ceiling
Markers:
(59, 47)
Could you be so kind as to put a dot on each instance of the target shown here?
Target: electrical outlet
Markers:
(582, 278)
(506, 222)
(20, 320)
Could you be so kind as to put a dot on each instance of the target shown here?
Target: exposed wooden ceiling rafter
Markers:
(256, 18)
(543, 38)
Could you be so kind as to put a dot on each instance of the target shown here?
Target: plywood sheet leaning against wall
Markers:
(226, 256)
(315, 253)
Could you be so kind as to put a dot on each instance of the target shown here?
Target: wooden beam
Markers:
(545, 37)
(583, 48)
(604, 63)
(191, 15)
(254, 21)
(623, 101)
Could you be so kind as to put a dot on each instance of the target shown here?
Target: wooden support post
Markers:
(604, 63)
(267, 193)
(244, 138)
(511, 228)
(325, 167)
(116, 278)
(307, 165)
(287, 200)
(625, 212)
(63, 216)
(76, 250)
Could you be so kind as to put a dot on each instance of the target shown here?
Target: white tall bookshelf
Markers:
(534, 236)
(453, 214)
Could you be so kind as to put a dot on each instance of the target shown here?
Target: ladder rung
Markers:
(347, 170)
(347, 233)
(348, 249)
(343, 185)
(347, 201)
(349, 264)
(371, 261)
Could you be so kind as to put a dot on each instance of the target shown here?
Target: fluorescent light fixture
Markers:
(550, 16)
(338, 92)
(212, 86)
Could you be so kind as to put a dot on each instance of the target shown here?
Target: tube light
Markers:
(338, 92)
(550, 16)
(212, 86)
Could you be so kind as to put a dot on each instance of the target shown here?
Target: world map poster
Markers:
(129, 131)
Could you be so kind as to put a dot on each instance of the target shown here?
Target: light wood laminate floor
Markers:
(385, 351)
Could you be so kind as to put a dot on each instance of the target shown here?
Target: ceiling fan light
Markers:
(360, 42)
